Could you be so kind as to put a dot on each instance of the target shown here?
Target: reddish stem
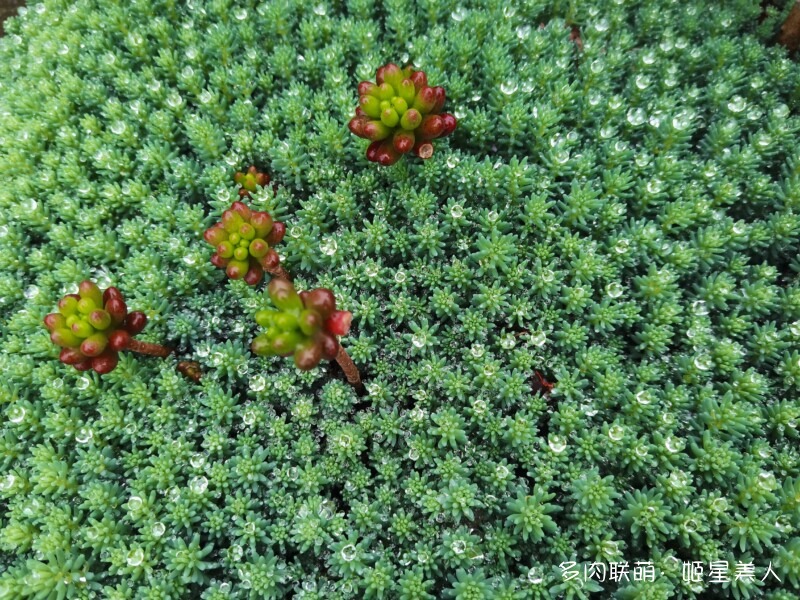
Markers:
(148, 348)
(349, 367)
(790, 31)
(280, 273)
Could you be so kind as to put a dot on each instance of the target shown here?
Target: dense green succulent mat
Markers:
(617, 213)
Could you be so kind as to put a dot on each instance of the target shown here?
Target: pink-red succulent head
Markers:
(250, 181)
(305, 325)
(243, 243)
(400, 113)
(92, 326)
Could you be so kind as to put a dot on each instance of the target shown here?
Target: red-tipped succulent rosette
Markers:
(305, 325)
(93, 326)
(243, 243)
(250, 181)
(400, 113)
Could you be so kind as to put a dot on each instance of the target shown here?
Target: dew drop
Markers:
(16, 414)
(508, 87)
(348, 553)
(158, 529)
(621, 247)
(240, 14)
(458, 547)
(616, 432)
(702, 363)
(614, 289)
(508, 342)
(636, 116)
(737, 104)
(673, 445)
(557, 443)
(328, 246)
(84, 435)
(258, 383)
(135, 557)
(198, 484)
(533, 576)
(539, 338)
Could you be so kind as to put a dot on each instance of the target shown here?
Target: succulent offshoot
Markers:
(400, 113)
(243, 243)
(93, 326)
(250, 181)
(304, 325)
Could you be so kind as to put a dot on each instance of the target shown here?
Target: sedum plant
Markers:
(304, 325)
(634, 205)
(400, 113)
(94, 325)
(243, 243)
(250, 181)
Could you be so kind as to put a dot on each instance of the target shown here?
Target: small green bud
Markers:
(407, 91)
(68, 305)
(390, 118)
(370, 105)
(264, 318)
(411, 119)
(386, 91)
(87, 305)
(285, 321)
(310, 322)
(82, 329)
(100, 319)
(247, 231)
(399, 105)
(88, 289)
(284, 296)
(65, 338)
(258, 248)
(225, 249)
(285, 343)
(262, 346)
(240, 253)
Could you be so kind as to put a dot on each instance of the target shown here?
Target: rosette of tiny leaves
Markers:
(94, 325)
(305, 325)
(250, 181)
(243, 242)
(400, 113)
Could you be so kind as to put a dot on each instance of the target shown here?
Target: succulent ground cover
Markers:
(577, 322)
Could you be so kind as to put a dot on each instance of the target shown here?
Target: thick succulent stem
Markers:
(790, 31)
(148, 348)
(349, 368)
(279, 272)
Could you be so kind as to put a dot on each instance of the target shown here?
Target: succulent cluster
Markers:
(623, 219)
(250, 181)
(243, 243)
(92, 326)
(304, 324)
(400, 113)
